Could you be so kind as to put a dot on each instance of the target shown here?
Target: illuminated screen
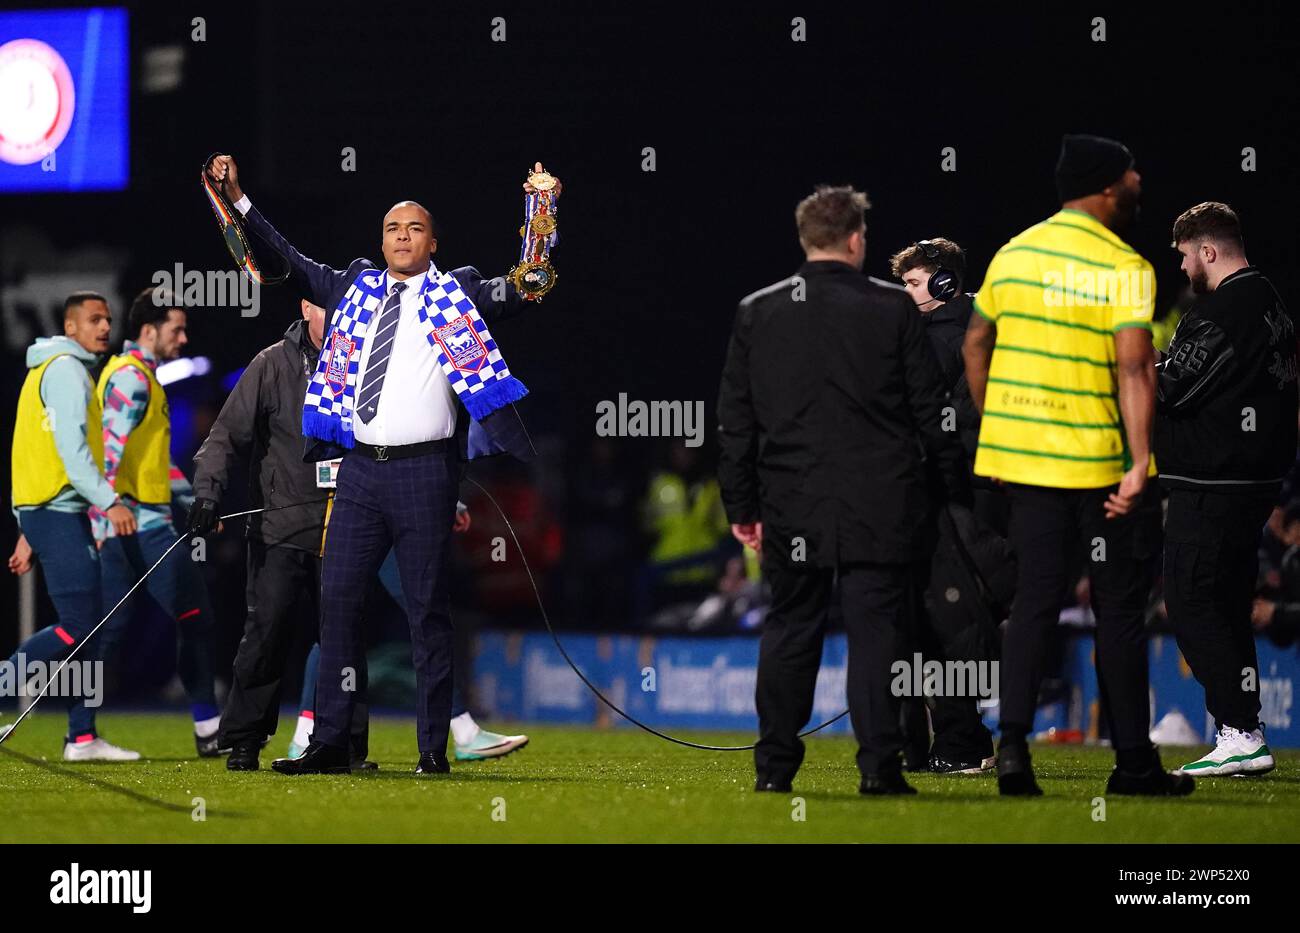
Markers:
(63, 100)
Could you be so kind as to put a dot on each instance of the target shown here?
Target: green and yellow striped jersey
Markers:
(1058, 293)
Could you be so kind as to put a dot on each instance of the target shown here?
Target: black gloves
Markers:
(203, 517)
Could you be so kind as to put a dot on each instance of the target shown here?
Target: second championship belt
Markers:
(534, 276)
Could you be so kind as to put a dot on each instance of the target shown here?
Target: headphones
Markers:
(944, 283)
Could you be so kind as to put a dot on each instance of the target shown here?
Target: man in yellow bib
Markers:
(1059, 360)
(58, 463)
(137, 462)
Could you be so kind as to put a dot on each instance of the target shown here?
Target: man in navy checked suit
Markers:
(397, 486)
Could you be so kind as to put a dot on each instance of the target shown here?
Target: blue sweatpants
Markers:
(177, 587)
(65, 548)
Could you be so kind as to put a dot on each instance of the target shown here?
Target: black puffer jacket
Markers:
(262, 420)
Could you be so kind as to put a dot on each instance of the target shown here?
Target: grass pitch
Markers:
(584, 785)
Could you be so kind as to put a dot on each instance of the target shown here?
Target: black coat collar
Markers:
(957, 311)
(826, 267)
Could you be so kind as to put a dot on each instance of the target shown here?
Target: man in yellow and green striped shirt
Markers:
(1059, 361)
(1059, 295)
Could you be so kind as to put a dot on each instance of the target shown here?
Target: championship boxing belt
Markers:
(534, 276)
(231, 223)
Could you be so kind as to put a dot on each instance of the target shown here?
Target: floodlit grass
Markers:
(584, 785)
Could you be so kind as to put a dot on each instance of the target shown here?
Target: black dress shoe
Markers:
(433, 763)
(1157, 782)
(362, 764)
(885, 783)
(227, 749)
(765, 786)
(243, 757)
(317, 759)
(1016, 772)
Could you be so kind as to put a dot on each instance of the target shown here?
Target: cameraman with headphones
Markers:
(932, 272)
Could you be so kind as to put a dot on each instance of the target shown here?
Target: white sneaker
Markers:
(97, 750)
(1235, 752)
(489, 745)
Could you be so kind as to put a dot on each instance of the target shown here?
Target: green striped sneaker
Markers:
(1235, 752)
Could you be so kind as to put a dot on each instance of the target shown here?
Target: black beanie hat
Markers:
(1088, 164)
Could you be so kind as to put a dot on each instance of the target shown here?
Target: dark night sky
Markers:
(743, 120)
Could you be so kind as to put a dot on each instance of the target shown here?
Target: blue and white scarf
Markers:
(466, 352)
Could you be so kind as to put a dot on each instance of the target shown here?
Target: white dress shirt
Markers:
(417, 403)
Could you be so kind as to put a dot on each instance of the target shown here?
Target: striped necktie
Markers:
(381, 350)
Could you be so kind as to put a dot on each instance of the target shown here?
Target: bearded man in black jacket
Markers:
(1225, 439)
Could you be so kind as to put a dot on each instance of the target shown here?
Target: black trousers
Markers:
(878, 603)
(1211, 565)
(280, 581)
(283, 597)
(959, 732)
(1047, 525)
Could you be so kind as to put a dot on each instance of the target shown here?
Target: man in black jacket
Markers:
(941, 263)
(932, 272)
(260, 420)
(829, 405)
(1225, 438)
